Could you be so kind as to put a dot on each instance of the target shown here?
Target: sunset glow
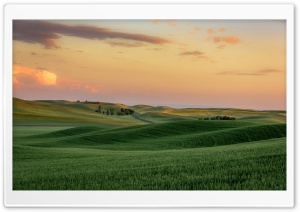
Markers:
(178, 63)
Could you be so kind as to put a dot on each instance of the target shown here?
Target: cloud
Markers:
(191, 53)
(222, 29)
(32, 77)
(195, 54)
(41, 68)
(125, 43)
(228, 39)
(172, 23)
(262, 72)
(222, 46)
(154, 49)
(74, 85)
(267, 71)
(196, 28)
(210, 31)
(45, 33)
(24, 77)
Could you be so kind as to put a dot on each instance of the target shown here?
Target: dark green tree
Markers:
(112, 111)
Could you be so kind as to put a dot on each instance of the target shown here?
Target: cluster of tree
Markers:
(122, 112)
(220, 118)
(125, 112)
(86, 101)
(105, 111)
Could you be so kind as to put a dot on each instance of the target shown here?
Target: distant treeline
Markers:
(87, 102)
(111, 111)
(219, 118)
(125, 112)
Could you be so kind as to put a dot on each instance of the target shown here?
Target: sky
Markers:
(177, 63)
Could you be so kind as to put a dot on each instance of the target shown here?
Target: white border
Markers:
(147, 198)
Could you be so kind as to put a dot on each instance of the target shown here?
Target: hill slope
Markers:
(175, 135)
(80, 113)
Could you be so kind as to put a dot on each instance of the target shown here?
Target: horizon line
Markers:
(174, 106)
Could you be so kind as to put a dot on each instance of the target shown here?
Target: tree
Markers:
(131, 111)
(119, 113)
(112, 111)
(107, 112)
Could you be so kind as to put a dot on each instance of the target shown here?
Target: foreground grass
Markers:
(259, 165)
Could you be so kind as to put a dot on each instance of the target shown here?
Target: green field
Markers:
(60, 145)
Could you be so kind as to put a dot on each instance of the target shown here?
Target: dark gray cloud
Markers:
(253, 73)
(45, 33)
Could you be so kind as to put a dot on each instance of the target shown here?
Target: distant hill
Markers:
(67, 113)
(59, 112)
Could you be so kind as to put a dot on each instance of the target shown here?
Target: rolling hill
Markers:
(60, 145)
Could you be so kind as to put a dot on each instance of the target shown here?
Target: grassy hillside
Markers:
(259, 165)
(184, 134)
(59, 145)
(80, 113)
(66, 113)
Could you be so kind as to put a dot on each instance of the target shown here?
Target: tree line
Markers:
(219, 118)
(111, 111)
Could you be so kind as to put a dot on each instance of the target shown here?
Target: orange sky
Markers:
(191, 63)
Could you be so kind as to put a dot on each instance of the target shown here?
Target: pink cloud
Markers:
(30, 77)
(210, 31)
(222, 46)
(25, 77)
(228, 39)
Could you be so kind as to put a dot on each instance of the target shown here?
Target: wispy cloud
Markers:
(196, 28)
(126, 43)
(210, 31)
(226, 39)
(222, 46)
(75, 85)
(262, 72)
(172, 23)
(154, 49)
(46, 33)
(196, 54)
(191, 53)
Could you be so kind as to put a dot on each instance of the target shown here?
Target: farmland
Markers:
(59, 145)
